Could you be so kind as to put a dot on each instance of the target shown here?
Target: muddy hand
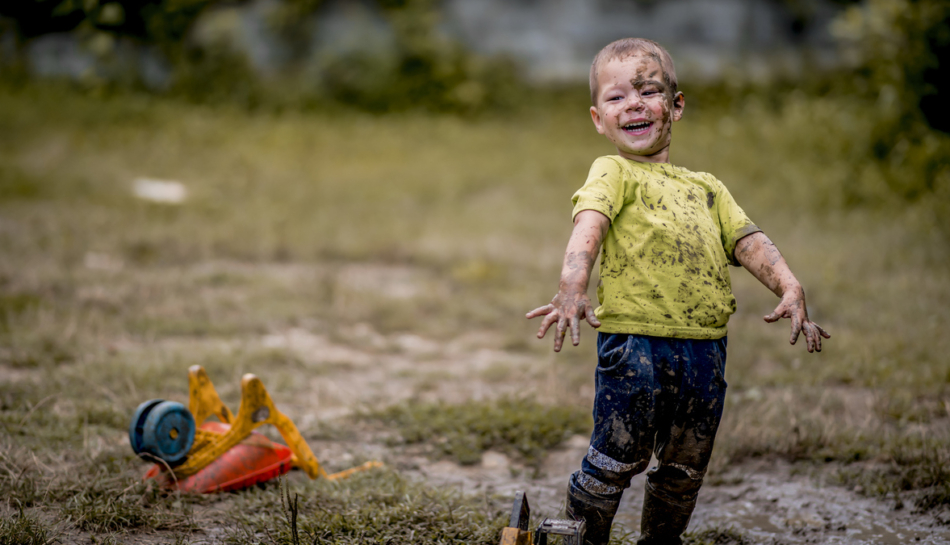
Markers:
(793, 308)
(565, 312)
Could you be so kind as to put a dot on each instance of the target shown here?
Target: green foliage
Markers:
(425, 69)
(422, 68)
(897, 46)
(463, 432)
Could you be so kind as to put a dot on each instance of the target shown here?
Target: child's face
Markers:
(635, 108)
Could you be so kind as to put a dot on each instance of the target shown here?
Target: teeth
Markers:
(637, 126)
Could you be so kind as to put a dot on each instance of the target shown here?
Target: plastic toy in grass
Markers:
(197, 456)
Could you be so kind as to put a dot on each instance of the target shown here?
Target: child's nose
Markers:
(634, 102)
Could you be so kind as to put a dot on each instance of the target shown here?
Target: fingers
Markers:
(796, 329)
(546, 323)
(816, 332)
(565, 316)
(800, 324)
(591, 317)
(575, 330)
(811, 337)
(559, 333)
(540, 311)
(780, 312)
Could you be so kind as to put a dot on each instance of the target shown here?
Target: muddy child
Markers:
(666, 237)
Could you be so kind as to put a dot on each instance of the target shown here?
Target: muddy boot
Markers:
(596, 512)
(663, 521)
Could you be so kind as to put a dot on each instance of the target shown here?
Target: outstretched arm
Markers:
(761, 258)
(571, 303)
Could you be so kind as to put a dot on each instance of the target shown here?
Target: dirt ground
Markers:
(354, 278)
(770, 502)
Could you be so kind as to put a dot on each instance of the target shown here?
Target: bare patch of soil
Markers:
(770, 502)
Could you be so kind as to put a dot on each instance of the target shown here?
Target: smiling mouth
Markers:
(637, 127)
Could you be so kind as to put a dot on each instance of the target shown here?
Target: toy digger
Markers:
(198, 456)
(517, 532)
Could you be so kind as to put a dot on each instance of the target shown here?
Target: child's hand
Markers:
(761, 258)
(793, 307)
(571, 303)
(565, 308)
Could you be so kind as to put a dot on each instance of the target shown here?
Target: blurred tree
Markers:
(156, 21)
(900, 49)
(900, 46)
(424, 68)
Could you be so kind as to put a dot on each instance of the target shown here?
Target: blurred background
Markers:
(483, 57)
(358, 201)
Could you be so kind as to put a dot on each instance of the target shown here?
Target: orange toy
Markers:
(226, 455)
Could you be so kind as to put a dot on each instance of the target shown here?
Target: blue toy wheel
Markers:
(138, 421)
(167, 431)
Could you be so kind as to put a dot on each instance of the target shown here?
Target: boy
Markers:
(668, 235)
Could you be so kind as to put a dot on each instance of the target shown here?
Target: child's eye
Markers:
(614, 98)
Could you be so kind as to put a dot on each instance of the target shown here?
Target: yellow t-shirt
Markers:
(663, 267)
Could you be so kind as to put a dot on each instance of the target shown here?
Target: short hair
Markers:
(626, 47)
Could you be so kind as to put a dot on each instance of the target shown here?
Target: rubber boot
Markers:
(596, 512)
(663, 521)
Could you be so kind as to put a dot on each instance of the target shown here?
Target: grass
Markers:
(463, 432)
(25, 529)
(376, 507)
(364, 234)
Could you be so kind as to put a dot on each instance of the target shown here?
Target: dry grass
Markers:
(366, 229)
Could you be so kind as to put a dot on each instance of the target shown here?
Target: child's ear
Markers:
(598, 122)
(679, 102)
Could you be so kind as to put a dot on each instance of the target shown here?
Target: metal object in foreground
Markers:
(517, 532)
(572, 530)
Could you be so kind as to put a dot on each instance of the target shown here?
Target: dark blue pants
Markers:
(653, 395)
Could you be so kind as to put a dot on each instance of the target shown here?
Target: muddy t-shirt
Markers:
(663, 268)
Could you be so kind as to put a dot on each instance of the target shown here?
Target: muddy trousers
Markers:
(657, 396)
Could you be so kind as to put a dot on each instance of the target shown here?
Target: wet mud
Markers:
(770, 502)
(767, 501)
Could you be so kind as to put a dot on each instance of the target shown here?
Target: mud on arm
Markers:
(571, 304)
(761, 258)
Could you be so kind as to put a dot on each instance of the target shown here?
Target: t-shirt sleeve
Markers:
(604, 189)
(733, 222)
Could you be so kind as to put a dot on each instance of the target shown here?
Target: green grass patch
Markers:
(379, 506)
(464, 431)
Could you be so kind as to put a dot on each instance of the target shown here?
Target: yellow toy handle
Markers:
(257, 408)
(203, 399)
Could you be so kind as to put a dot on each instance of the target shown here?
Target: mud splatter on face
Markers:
(636, 106)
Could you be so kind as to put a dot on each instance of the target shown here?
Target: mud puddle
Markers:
(773, 504)
(769, 502)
